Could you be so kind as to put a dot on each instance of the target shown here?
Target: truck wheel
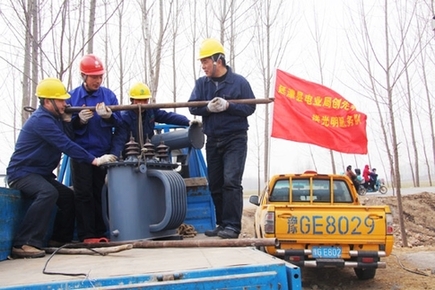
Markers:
(383, 189)
(365, 273)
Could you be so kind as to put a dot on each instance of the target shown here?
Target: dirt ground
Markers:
(411, 267)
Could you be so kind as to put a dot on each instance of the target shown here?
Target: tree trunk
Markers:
(91, 26)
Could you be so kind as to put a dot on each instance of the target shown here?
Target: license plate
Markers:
(326, 252)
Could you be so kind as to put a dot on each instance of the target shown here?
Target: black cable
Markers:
(65, 274)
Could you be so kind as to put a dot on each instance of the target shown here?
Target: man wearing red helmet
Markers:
(94, 132)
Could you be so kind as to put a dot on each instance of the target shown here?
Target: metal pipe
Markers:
(195, 243)
(168, 105)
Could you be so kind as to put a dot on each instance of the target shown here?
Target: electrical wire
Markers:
(44, 271)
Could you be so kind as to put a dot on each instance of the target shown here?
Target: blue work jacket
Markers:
(149, 118)
(231, 121)
(40, 144)
(97, 135)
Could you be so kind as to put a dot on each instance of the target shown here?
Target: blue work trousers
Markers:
(88, 181)
(45, 194)
(226, 158)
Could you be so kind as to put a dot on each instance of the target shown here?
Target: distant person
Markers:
(225, 124)
(94, 132)
(37, 154)
(366, 176)
(141, 94)
(352, 176)
(373, 178)
(358, 176)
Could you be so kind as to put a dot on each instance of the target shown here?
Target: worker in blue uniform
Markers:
(146, 121)
(225, 124)
(93, 131)
(37, 154)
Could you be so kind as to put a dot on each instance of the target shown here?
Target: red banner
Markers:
(311, 113)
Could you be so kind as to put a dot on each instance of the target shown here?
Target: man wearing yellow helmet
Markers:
(141, 94)
(226, 126)
(37, 154)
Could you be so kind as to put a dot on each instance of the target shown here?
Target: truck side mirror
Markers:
(254, 199)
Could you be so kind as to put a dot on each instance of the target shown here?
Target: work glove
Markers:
(212, 106)
(195, 122)
(106, 158)
(103, 111)
(222, 104)
(85, 115)
(217, 105)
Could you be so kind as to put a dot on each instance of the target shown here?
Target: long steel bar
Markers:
(169, 105)
(243, 242)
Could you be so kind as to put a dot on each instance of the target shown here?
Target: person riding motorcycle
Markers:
(352, 176)
(366, 175)
(373, 178)
(359, 176)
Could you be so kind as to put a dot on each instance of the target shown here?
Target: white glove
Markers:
(106, 158)
(212, 106)
(195, 122)
(103, 111)
(221, 104)
(85, 115)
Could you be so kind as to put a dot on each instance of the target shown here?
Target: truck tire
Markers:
(383, 189)
(365, 273)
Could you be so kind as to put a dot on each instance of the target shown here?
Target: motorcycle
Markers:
(379, 187)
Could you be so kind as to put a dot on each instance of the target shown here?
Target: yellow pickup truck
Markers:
(320, 222)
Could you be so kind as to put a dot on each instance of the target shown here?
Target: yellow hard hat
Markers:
(210, 47)
(51, 88)
(140, 91)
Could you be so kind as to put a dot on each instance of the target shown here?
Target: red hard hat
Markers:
(91, 65)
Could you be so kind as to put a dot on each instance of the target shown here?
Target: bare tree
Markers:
(176, 18)
(26, 20)
(426, 157)
(194, 37)
(393, 62)
(50, 42)
(91, 26)
(317, 36)
(429, 108)
(404, 30)
(154, 42)
(270, 50)
(121, 54)
(35, 50)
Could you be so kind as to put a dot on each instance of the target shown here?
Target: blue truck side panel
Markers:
(275, 276)
(12, 210)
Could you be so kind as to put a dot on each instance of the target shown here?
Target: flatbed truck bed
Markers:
(154, 268)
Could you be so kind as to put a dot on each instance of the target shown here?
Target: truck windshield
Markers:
(300, 190)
